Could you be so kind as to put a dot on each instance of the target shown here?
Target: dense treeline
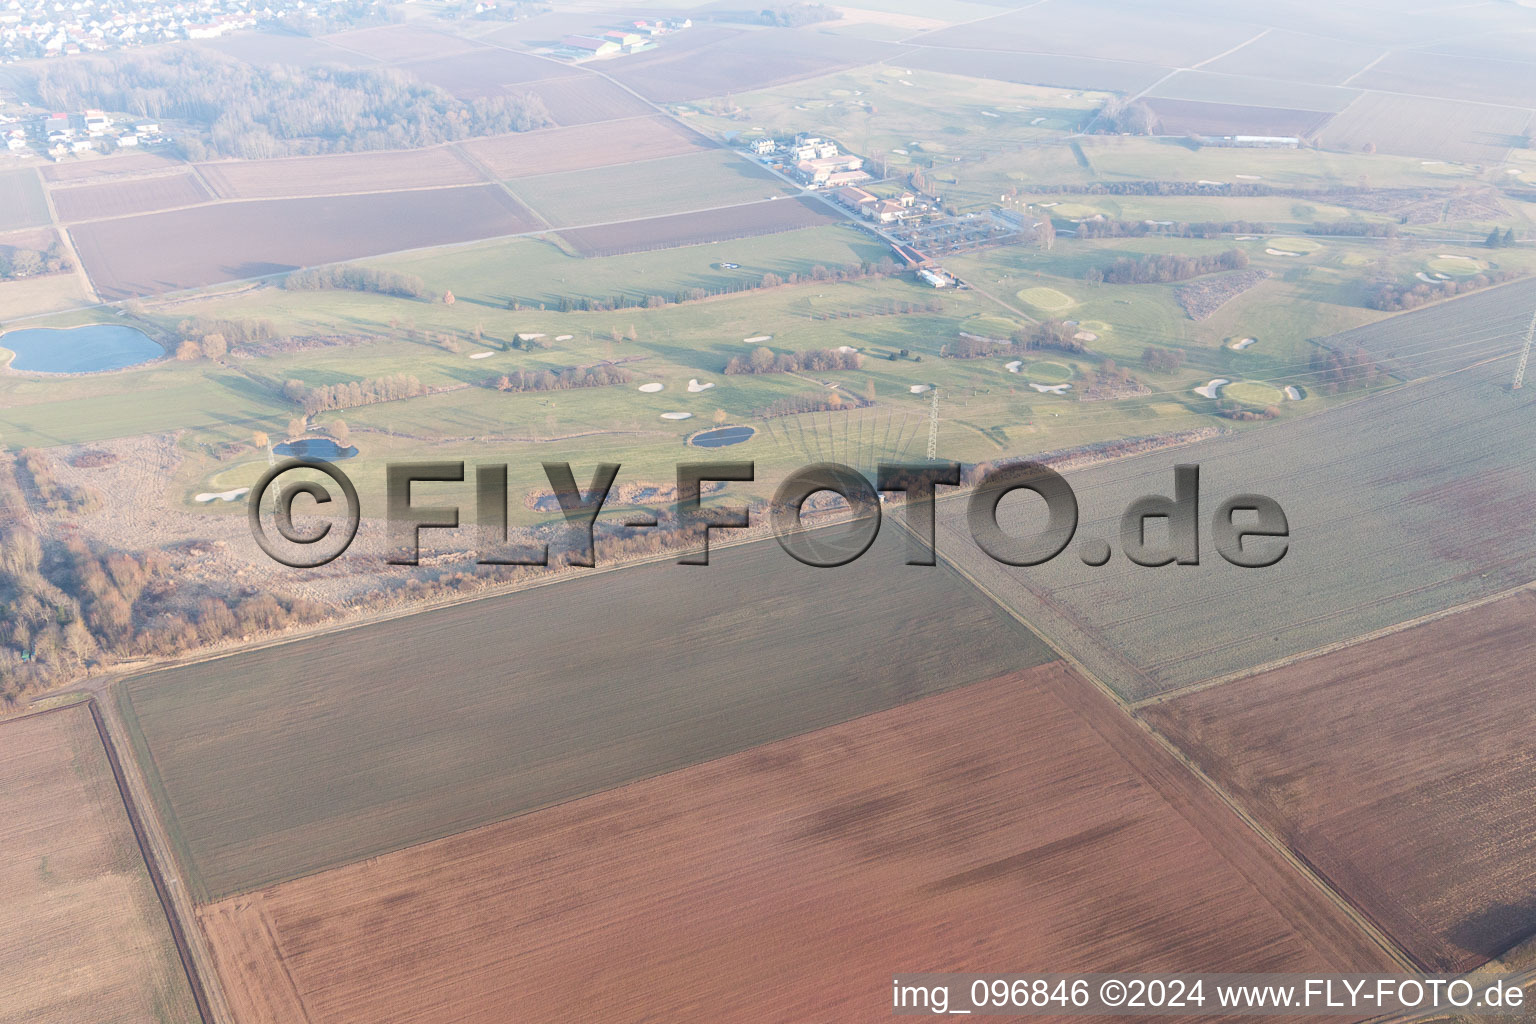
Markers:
(1352, 229)
(852, 272)
(1336, 370)
(1177, 229)
(67, 609)
(260, 112)
(358, 279)
(353, 393)
(817, 360)
(796, 405)
(1056, 335)
(1128, 118)
(1162, 360)
(1165, 267)
(1392, 296)
(17, 262)
(795, 15)
(563, 379)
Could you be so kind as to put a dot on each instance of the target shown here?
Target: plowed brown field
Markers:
(1403, 769)
(338, 173)
(133, 195)
(767, 217)
(593, 145)
(82, 936)
(1023, 821)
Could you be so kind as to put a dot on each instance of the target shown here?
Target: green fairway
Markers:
(1456, 266)
(1048, 299)
(1253, 393)
(1047, 371)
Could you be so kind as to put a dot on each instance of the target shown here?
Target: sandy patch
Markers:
(1013, 367)
(1293, 392)
(1210, 389)
(1281, 252)
(695, 387)
(1051, 389)
(233, 495)
(677, 415)
(918, 389)
(758, 339)
(481, 355)
(1242, 343)
(564, 337)
(651, 388)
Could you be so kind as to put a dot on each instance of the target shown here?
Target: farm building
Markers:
(839, 179)
(855, 199)
(589, 46)
(1255, 141)
(764, 147)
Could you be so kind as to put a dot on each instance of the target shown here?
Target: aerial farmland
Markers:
(511, 753)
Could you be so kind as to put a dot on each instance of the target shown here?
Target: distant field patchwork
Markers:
(763, 218)
(1298, 57)
(1180, 117)
(742, 62)
(82, 935)
(231, 241)
(476, 74)
(1407, 786)
(1443, 129)
(586, 99)
(130, 196)
(1454, 77)
(461, 716)
(1037, 69)
(1023, 818)
(340, 173)
(671, 184)
(583, 146)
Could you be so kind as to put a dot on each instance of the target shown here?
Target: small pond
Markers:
(721, 437)
(314, 449)
(87, 349)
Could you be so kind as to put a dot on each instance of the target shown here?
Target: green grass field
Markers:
(649, 188)
(1253, 393)
(1047, 371)
(1047, 299)
(375, 738)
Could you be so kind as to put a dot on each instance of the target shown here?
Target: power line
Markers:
(1525, 355)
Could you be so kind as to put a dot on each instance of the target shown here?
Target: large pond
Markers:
(79, 349)
(721, 437)
(314, 449)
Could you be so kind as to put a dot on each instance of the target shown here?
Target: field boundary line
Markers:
(200, 976)
(1383, 55)
(1330, 648)
(1351, 914)
(1227, 53)
(68, 243)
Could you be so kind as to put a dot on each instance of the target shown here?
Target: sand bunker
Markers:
(696, 387)
(481, 355)
(846, 348)
(677, 415)
(564, 337)
(918, 389)
(529, 337)
(1205, 181)
(1249, 177)
(1453, 256)
(759, 339)
(234, 495)
(1209, 391)
(1424, 277)
(1241, 343)
(1037, 120)
(1085, 336)
(1050, 389)
(652, 387)
(1293, 392)
(1281, 252)
(1013, 367)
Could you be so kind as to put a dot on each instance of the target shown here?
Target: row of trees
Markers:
(1178, 229)
(1056, 335)
(352, 394)
(563, 379)
(1393, 296)
(258, 112)
(1164, 267)
(1162, 360)
(1337, 370)
(817, 360)
(795, 405)
(1352, 229)
(358, 279)
(1500, 239)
